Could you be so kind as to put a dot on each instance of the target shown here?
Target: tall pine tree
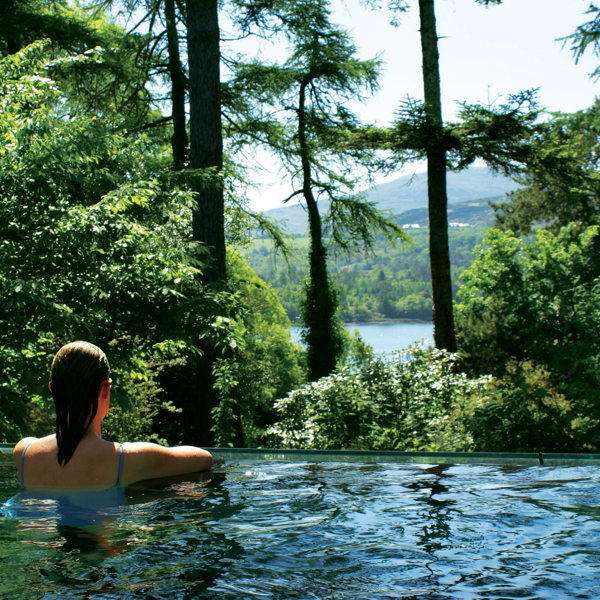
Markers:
(299, 110)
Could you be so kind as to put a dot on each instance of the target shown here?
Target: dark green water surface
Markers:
(300, 530)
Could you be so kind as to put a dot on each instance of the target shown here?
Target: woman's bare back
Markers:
(95, 462)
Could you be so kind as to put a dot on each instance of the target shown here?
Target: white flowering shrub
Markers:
(418, 401)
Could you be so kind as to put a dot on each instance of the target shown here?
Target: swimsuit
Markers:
(23, 463)
(120, 465)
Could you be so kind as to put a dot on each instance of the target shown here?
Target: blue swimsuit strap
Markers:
(120, 465)
(23, 463)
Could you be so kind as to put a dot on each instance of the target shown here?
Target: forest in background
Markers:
(124, 223)
(391, 282)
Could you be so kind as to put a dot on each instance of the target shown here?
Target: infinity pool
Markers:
(281, 529)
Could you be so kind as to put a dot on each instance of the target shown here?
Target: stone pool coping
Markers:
(396, 456)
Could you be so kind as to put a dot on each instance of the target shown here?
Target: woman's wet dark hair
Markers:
(78, 369)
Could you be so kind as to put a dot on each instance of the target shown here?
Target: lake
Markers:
(385, 338)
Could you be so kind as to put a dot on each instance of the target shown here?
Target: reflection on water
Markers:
(284, 530)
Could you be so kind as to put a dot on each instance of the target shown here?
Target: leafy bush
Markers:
(532, 299)
(523, 412)
(415, 402)
(530, 315)
(135, 418)
(263, 363)
(91, 245)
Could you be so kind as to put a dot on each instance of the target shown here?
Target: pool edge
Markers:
(397, 456)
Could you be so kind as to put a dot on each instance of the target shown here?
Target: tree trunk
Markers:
(206, 141)
(319, 303)
(320, 300)
(206, 152)
(439, 255)
(179, 141)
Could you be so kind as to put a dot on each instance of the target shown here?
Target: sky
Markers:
(485, 55)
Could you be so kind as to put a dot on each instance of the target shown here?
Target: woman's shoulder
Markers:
(24, 443)
(21, 445)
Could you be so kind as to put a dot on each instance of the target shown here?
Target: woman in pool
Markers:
(77, 457)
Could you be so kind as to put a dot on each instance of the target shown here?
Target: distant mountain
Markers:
(406, 197)
(410, 191)
(292, 218)
(473, 212)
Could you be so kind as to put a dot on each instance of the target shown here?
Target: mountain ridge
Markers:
(469, 192)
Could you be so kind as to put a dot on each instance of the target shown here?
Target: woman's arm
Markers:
(144, 460)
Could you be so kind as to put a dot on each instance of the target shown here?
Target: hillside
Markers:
(469, 192)
(392, 282)
(410, 192)
(472, 212)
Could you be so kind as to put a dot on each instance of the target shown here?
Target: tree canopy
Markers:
(106, 223)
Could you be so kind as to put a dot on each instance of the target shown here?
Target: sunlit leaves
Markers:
(562, 180)
(93, 242)
(537, 300)
(411, 403)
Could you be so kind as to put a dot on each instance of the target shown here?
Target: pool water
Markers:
(315, 530)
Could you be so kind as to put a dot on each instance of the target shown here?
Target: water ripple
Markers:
(283, 530)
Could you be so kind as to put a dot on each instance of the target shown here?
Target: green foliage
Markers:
(506, 137)
(391, 282)
(322, 328)
(525, 412)
(92, 242)
(136, 418)
(115, 85)
(23, 22)
(562, 184)
(263, 364)
(532, 299)
(503, 136)
(413, 403)
(529, 313)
